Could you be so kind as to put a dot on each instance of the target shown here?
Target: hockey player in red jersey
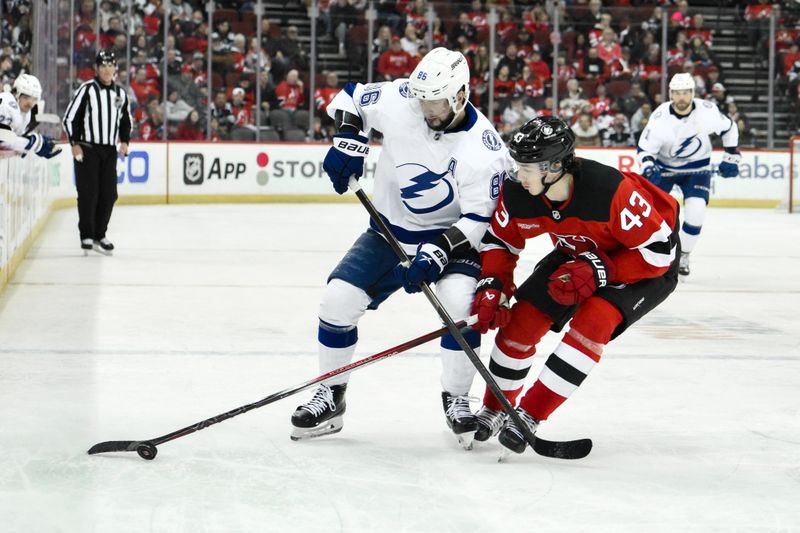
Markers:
(616, 243)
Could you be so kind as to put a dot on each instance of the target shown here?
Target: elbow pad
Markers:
(347, 122)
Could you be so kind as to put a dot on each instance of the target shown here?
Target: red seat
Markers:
(230, 15)
(232, 79)
(617, 88)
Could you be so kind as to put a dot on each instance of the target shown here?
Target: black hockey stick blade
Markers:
(113, 446)
(567, 449)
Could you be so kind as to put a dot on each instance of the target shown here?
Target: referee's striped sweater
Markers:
(98, 114)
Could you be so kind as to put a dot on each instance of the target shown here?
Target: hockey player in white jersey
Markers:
(436, 185)
(17, 119)
(675, 149)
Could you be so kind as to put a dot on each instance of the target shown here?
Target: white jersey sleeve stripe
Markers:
(653, 249)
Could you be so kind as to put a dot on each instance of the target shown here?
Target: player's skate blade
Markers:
(504, 455)
(329, 427)
(465, 440)
(103, 246)
(86, 246)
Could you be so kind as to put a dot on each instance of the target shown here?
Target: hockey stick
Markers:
(711, 173)
(575, 449)
(147, 448)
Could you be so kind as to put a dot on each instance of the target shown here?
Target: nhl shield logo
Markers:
(193, 169)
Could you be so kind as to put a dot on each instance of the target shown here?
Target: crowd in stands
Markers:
(607, 76)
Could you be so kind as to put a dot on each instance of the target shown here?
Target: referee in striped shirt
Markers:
(97, 118)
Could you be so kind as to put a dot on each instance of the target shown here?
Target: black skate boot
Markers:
(489, 423)
(459, 418)
(683, 264)
(103, 246)
(322, 415)
(86, 246)
(511, 436)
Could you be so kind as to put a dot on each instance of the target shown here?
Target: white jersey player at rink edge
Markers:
(436, 186)
(18, 119)
(675, 149)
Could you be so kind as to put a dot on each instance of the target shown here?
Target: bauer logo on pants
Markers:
(193, 169)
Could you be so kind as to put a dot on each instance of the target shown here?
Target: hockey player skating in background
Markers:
(615, 259)
(436, 186)
(675, 149)
(17, 119)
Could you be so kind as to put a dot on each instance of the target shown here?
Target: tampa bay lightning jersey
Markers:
(427, 181)
(682, 143)
(11, 118)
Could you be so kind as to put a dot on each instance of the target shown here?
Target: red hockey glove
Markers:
(576, 280)
(490, 304)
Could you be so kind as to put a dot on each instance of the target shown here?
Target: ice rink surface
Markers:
(695, 411)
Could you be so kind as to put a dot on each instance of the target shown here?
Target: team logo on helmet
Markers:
(547, 130)
(491, 141)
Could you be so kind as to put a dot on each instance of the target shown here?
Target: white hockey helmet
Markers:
(682, 81)
(28, 85)
(441, 74)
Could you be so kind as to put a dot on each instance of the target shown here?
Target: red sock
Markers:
(573, 359)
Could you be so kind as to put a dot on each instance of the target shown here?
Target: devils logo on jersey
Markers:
(574, 244)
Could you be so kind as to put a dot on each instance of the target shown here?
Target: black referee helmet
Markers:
(106, 57)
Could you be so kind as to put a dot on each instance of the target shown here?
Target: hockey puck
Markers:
(147, 451)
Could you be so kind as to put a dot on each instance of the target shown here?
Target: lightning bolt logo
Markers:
(684, 146)
(425, 181)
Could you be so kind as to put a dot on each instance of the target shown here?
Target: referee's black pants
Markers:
(96, 181)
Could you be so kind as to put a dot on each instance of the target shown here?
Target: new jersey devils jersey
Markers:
(619, 213)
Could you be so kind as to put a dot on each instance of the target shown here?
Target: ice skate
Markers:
(489, 423)
(103, 246)
(86, 246)
(460, 418)
(683, 264)
(512, 438)
(322, 415)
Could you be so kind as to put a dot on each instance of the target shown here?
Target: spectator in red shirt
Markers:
(756, 17)
(540, 68)
(190, 129)
(503, 84)
(395, 62)
(325, 95)
(600, 103)
(144, 88)
(609, 49)
(697, 27)
(529, 86)
(290, 91)
(242, 111)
